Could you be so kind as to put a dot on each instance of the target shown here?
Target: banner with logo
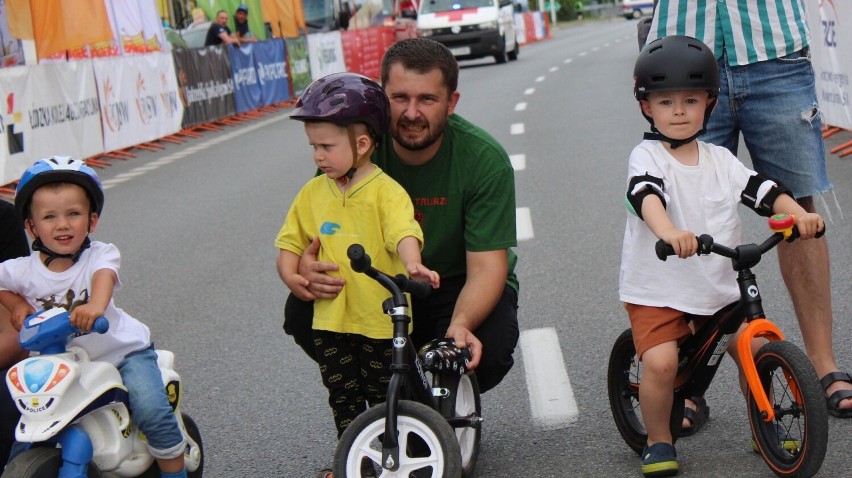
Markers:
(205, 84)
(47, 110)
(139, 99)
(831, 51)
(300, 67)
(325, 53)
(260, 74)
(363, 49)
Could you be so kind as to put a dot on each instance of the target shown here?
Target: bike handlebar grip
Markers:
(418, 289)
(358, 258)
(820, 233)
(663, 250)
(101, 325)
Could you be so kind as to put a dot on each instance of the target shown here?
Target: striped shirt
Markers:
(747, 30)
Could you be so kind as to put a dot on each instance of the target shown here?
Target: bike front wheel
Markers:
(463, 401)
(428, 446)
(794, 443)
(41, 462)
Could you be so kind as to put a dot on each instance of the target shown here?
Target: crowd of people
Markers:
(441, 194)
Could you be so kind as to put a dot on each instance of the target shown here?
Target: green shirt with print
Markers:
(464, 198)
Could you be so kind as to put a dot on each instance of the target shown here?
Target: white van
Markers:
(471, 28)
(636, 8)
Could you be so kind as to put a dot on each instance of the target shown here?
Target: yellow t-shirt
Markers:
(376, 213)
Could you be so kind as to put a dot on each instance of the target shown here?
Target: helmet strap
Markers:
(675, 143)
(51, 255)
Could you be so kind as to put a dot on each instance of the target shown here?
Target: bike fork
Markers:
(76, 453)
(768, 330)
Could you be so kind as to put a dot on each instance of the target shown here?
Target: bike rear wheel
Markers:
(41, 462)
(623, 377)
(463, 401)
(794, 443)
(428, 445)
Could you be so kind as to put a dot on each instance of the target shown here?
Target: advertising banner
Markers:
(830, 24)
(205, 83)
(49, 109)
(363, 49)
(260, 74)
(138, 98)
(325, 54)
(300, 67)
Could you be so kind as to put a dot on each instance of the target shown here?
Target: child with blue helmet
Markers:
(60, 200)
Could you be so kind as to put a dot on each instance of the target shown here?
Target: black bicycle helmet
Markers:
(344, 99)
(673, 63)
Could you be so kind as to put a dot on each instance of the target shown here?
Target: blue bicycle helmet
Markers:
(58, 169)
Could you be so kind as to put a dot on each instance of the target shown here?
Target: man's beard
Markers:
(418, 145)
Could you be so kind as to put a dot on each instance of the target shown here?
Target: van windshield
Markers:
(431, 6)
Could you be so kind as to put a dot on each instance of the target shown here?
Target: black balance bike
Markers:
(786, 406)
(430, 424)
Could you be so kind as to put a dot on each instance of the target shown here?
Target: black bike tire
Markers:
(624, 395)
(449, 408)
(372, 422)
(41, 462)
(813, 435)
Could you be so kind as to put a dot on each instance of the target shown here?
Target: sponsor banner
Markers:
(48, 109)
(139, 99)
(260, 74)
(363, 49)
(205, 84)
(520, 28)
(831, 51)
(300, 67)
(325, 53)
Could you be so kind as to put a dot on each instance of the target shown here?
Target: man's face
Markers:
(222, 19)
(419, 107)
(241, 16)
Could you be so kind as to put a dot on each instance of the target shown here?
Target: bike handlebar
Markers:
(48, 331)
(360, 261)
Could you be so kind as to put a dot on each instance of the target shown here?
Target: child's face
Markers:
(332, 149)
(677, 114)
(60, 216)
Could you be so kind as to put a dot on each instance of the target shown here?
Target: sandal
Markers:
(697, 417)
(324, 473)
(833, 401)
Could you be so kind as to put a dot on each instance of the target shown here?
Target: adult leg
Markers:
(9, 416)
(298, 323)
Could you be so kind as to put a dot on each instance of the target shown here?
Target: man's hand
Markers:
(320, 285)
(19, 313)
(465, 338)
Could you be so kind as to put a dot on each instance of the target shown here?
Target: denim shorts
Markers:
(774, 105)
(149, 404)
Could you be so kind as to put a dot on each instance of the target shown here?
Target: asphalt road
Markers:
(196, 224)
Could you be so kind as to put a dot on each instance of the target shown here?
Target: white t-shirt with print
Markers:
(702, 199)
(44, 289)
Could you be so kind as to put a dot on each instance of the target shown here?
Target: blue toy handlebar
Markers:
(48, 331)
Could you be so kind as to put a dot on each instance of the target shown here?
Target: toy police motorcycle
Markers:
(81, 405)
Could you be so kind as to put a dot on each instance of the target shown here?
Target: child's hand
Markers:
(20, 313)
(420, 273)
(83, 316)
(809, 224)
(684, 243)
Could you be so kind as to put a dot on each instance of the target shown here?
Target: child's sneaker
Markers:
(659, 459)
(786, 441)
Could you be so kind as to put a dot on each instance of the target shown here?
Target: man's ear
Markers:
(454, 100)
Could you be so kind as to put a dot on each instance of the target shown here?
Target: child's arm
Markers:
(103, 282)
(808, 223)
(654, 214)
(18, 307)
(288, 270)
(409, 251)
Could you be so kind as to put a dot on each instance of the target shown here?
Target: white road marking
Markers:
(517, 128)
(539, 79)
(521, 106)
(523, 224)
(529, 91)
(554, 68)
(519, 161)
(552, 402)
(568, 60)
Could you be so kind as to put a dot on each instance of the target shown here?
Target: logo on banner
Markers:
(116, 113)
(8, 124)
(146, 105)
(169, 98)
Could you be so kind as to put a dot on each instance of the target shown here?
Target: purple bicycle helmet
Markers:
(344, 99)
(58, 169)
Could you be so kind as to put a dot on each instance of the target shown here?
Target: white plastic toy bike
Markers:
(80, 405)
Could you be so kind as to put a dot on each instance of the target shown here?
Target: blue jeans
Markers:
(149, 404)
(774, 105)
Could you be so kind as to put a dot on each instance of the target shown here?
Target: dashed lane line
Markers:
(552, 402)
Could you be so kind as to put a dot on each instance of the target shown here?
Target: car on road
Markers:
(471, 28)
(631, 9)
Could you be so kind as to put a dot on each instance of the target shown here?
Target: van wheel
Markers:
(501, 57)
(513, 55)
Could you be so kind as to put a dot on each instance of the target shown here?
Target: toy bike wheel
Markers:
(463, 401)
(428, 446)
(794, 443)
(623, 377)
(41, 462)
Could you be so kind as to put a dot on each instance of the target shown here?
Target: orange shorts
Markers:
(657, 325)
